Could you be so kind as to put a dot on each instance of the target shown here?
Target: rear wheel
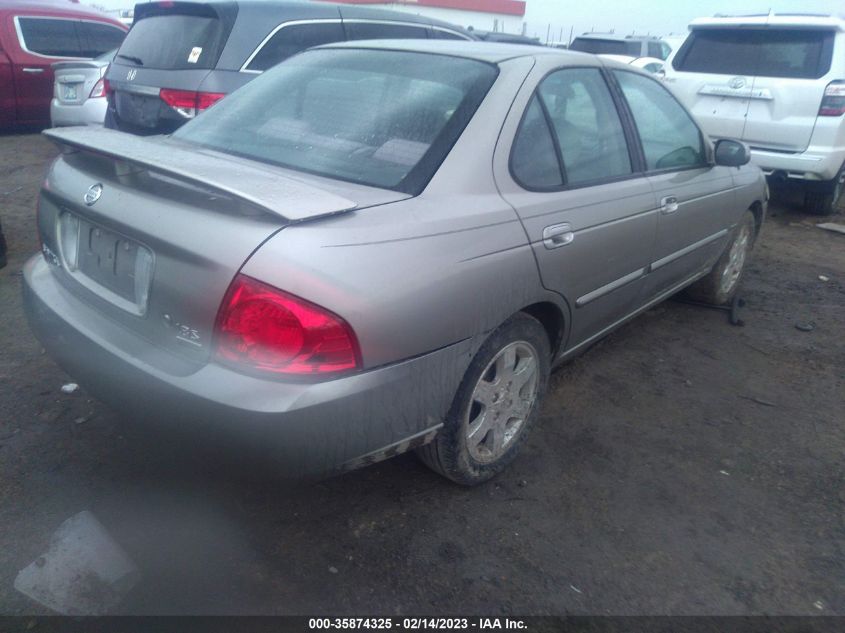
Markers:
(721, 283)
(495, 405)
(824, 199)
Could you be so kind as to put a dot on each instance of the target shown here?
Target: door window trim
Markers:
(422, 25)
(631, 139)
(22, 40)
(705, 144)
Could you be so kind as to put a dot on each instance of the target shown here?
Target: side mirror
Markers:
(730, 153)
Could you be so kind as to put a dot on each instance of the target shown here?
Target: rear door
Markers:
(171, 46)
(788, 86)
(716, 75)
(588, 211)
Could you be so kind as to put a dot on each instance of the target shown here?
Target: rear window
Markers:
(174, 42)
(58, 37)
(793, 53)
(605, 47)
(402, 112)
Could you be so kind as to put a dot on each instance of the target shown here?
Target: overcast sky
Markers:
(655, 16)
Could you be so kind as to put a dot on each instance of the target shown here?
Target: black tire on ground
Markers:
(719, 286)
(823, 198)
(449, 453)
(2, 248)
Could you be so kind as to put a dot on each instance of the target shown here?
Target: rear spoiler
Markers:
(262, 186)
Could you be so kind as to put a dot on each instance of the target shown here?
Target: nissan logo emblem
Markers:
(93, 194)
(737, 82)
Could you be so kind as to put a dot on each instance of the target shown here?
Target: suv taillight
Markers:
(833, 102)
(189, 103)
(264, 328)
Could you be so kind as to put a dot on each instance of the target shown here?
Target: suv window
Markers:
(608, 47)
(97, 39)
(794, 53)
(670, 138)
(174, 42)
(586, 125)
(384, 30)
(49, 36)
(534, 160)
(441, 34)
(655, 50)
(292, 39)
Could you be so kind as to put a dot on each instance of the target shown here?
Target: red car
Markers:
(33, 35)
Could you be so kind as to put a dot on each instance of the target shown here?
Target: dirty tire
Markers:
(823, 198)
(719, 286)
(489, 378)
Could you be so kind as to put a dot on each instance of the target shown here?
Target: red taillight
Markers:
(833, 102)
(267, 329)
(106, 86)
(99, 90)
(189, 102)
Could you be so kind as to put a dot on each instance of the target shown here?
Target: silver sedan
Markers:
(79, 91)
(383, 246)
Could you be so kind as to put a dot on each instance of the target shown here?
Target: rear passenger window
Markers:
(438, 34)
(670, 138)
(96, 39)
(586, 125)
(48, 36)
(384, 30)
(534, 162)
(290, 40)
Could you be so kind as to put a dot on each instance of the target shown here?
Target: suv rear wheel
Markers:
(823, 199)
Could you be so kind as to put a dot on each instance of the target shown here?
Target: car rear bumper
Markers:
(306, 428)
(89, 112)
(814, 164)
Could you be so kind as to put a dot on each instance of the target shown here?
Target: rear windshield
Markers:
(380, 118)
(605, 47)
(173, 42)
(799, 54)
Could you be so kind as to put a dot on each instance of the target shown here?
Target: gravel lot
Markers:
(681, 466)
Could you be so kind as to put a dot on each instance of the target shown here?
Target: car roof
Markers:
(615, 37)
(811, 20)
(490, 52)
(320, 9)
(53, 7)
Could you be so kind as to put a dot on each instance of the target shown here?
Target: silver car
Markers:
(79, 91)
(380, 246)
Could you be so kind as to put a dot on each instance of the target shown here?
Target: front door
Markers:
(695, 198)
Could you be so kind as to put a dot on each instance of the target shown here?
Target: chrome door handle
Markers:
(33, 70)
(558, 235)
(668, 205)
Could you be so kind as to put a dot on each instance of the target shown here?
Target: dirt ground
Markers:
(681, 466)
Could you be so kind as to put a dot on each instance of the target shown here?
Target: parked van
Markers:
(182, 57)
(33, 35)
(776, 82)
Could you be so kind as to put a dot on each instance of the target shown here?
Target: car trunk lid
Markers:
(757, 82)
(74, 81)
(152, 231)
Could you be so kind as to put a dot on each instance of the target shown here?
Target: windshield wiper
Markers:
(131, 58)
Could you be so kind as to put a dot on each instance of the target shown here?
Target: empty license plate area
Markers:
(111, 265)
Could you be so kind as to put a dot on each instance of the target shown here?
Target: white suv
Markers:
(777, 82)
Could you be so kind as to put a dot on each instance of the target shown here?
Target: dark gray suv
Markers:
(181, 57)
